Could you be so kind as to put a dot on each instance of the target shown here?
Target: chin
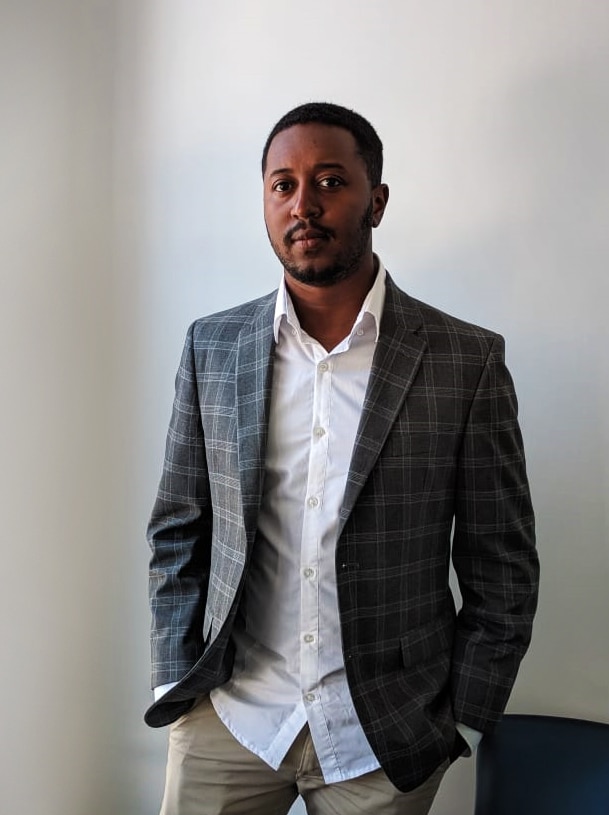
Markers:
(317, 276)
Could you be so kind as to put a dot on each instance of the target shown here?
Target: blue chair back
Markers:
(543, 765)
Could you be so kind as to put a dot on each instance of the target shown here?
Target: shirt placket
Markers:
(312, 526)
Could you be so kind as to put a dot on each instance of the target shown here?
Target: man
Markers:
(328, 442)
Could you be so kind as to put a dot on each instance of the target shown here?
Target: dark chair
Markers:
(543, 765)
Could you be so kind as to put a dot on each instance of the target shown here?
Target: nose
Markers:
(305, 203)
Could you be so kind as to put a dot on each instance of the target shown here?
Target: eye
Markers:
(281, 186)
(330, 182)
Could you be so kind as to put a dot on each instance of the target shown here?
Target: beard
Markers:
(345, 264)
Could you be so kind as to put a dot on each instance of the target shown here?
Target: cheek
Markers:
(272, 224)
(274, 217)
(275, 230)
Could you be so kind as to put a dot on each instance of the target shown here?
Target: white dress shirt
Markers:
(289, 667)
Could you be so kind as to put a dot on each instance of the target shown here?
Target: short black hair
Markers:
(368, 143)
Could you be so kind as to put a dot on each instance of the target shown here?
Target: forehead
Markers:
(312, 144)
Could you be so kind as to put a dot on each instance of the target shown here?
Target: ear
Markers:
(380, 196)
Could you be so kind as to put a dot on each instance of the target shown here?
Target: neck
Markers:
(327, 313)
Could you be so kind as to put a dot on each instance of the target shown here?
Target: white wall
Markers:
(133, 204)
(65, 569)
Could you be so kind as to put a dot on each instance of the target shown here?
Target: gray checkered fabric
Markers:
(438, 460)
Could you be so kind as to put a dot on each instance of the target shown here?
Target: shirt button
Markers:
(309, 638)
(312, 502)
(360, 332)
(323, 367)
(319, 432)
(308, 572)
(310, 697)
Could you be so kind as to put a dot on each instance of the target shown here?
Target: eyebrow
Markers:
(323, 165)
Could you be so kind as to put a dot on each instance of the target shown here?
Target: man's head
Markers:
(321, 169)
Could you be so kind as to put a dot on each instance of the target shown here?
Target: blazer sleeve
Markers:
(179, 535)
(493, 551)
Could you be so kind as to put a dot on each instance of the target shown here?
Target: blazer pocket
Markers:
(413, 447)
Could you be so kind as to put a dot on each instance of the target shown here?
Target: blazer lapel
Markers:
(254, 371)
(396, 360)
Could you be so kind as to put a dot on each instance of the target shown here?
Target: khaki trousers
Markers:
(210, 773)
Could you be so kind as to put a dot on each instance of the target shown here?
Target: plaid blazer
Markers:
(437, 469)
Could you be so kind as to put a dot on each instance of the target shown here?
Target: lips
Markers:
(308, 235)
(309, 240)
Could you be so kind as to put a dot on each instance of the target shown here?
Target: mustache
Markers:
(303, 226)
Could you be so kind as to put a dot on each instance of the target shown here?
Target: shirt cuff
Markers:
(161, 690)
(471, 737)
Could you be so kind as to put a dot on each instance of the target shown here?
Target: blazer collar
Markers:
(394, 366)
(253, 386)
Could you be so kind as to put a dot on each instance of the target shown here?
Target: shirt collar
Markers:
(373, 304)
